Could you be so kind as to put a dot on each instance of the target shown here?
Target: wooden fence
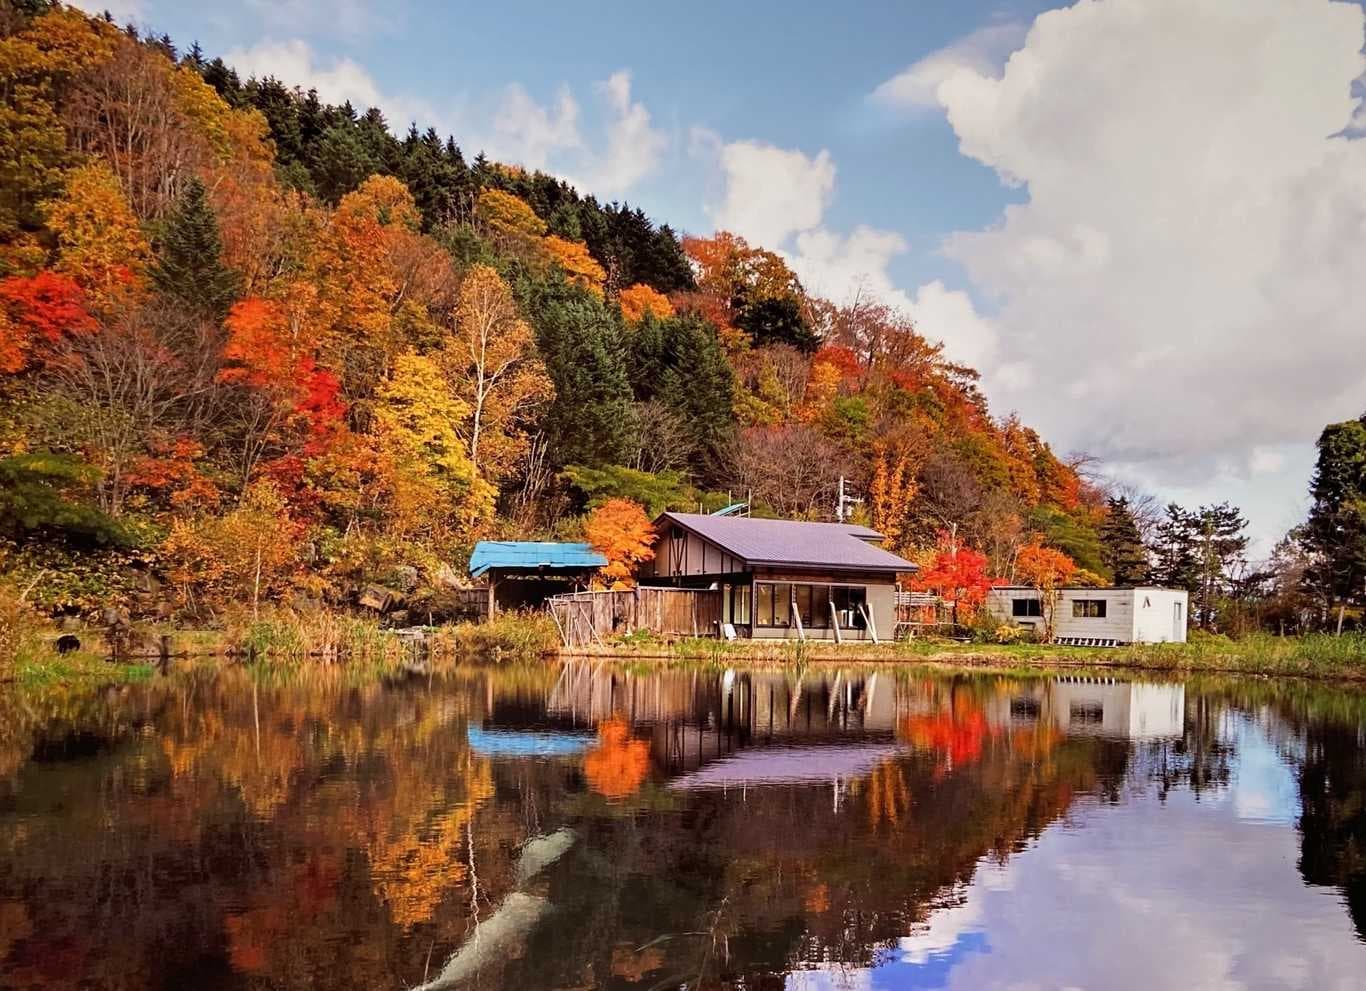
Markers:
(591, 617)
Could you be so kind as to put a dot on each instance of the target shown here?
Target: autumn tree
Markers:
(100, 242)
(638, 300)
(1046, 570)
(246, 555)
(493, 356)
(511, 225)
(621, 532)
(891, 493)
(579, 266)
(958, 575)
(435, 493)
(40, 312)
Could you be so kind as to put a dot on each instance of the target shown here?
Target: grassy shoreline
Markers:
(1317, 656)
(283, 636)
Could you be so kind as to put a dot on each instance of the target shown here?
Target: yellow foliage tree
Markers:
(580, 267)
(511, 224)
(248, 554)
(891, 493)
(100, 243)
(496, 369)
(435, 491)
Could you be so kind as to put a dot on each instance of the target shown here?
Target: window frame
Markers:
(1090, 608)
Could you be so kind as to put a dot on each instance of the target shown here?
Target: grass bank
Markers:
(28, 655)
(1313, 656)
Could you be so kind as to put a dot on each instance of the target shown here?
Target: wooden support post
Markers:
(493, 603)
(868, 618)
(795, 613)
(835, 619)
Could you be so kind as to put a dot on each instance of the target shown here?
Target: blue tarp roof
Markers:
(532, 554)
(527, 743)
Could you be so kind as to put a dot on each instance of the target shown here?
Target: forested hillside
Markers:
(253, 346)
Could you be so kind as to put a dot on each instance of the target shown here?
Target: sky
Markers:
(1144, 221)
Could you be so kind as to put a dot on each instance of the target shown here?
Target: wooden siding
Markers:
(591, 617)
(689, 555)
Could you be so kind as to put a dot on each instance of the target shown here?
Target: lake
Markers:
(583, 826)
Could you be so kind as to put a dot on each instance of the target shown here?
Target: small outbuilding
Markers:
(524, 573)
(1097, 616)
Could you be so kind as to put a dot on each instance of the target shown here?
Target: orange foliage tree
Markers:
(1046, 570)
(621, 532)
(638, 300)
(617, 766)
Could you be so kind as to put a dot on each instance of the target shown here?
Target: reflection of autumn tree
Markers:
(617, 766)
(271, 813)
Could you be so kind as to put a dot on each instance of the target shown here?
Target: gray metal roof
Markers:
(793, 542)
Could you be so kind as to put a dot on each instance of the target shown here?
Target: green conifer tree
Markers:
(189, 267)
(1122, 548)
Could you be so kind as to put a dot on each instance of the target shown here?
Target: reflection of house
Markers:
(1101, 707)
(782, 578)
(1097, 615)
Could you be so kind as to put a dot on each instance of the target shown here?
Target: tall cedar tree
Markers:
(189, 268)
(679, 363)
(1336, 531)
(1123, 551)
(580, 339)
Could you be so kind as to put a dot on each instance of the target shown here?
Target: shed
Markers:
(524, 573)
(1099, 616)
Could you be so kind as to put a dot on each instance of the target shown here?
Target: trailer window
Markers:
(1088, 608)
(1026, 607)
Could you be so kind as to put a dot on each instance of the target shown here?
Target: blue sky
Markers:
(1143, 220)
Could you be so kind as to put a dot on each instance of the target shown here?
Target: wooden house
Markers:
(783, 579)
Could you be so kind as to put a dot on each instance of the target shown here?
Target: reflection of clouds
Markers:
(1190, 893)
(1263, 785)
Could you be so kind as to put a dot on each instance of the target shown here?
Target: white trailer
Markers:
(1097, 616)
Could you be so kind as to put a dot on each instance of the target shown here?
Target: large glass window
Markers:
(763, 604)
(849, 602)
(782, 604)
(1088, 608)
(1026, 607)
(739, 609)
(803, 596)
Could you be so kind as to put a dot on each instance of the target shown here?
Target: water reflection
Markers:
(583, 826)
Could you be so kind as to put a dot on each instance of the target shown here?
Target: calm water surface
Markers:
(588, 827)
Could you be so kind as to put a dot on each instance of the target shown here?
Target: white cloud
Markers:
(634, 148)
(777, 198)
(550, 137)
(1187, 277)
(917, 86)
(528, 134)
(123, 11)
(294, 63)
(772, 192)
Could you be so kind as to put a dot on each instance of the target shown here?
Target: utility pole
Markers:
(845, 503)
